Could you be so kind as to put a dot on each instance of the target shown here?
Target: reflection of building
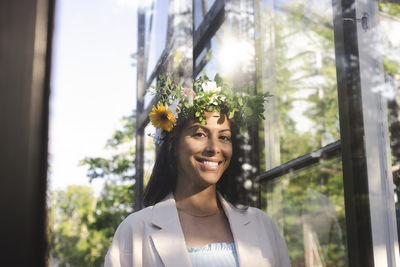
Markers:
(320, 134)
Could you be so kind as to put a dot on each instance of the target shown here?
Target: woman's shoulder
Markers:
(135, 220)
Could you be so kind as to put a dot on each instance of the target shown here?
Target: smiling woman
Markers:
(188, 220)
(203, 152)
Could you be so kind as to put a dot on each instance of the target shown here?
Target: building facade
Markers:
(325, 162)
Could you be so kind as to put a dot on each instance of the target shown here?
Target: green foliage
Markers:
(81, 225)
(392, 9)
(208, 95)
(295, 74)
(71, 242)
(308, 205)
(113, 206)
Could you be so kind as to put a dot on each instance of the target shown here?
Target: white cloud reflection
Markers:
(134, 3)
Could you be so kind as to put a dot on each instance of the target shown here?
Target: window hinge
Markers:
(364, 21)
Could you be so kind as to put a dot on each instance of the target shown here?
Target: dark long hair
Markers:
(163, 179)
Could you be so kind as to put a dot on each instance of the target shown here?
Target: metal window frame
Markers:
(201, 37)
(354, 142)
(142, 85)
(365, 226)
(208, 27)
(205, 31)
(326, 152)
(364, 166)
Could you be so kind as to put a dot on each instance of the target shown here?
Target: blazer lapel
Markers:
(244, 230)
(169, 240)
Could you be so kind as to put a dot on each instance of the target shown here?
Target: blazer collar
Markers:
(245, 234)
(169, 241)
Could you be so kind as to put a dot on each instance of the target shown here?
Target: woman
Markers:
(187, 221)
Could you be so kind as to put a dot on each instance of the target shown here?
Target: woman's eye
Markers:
(225, 138)
(199, 134)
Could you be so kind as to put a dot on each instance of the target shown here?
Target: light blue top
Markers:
(214, 255)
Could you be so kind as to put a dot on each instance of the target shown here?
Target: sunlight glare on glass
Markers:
(234, 54)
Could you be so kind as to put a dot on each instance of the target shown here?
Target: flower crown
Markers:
(206, 95)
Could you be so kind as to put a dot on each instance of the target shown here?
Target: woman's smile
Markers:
(209, 164)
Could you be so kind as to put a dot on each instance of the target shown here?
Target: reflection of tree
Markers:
(392, 77)
(308, 206)
(304, 83)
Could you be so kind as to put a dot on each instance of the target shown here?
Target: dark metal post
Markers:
(364, 134)
(355, 178)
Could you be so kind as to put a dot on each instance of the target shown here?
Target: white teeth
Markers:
(211, 163)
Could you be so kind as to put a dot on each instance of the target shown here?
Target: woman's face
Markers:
(204, 151)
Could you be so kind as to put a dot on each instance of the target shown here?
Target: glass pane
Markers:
(308, 207)
(211, 68)
(296, 63)
(157, 27)
(389, 19)
(230, 54)
(201, 7)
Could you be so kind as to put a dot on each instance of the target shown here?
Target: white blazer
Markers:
(153, 237)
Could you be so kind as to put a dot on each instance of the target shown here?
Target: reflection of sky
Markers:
(158, 33)
(211, 68)
(93, 82)
(149, 150)
(198, 8)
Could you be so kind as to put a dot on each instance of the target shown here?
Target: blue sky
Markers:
(93, 82)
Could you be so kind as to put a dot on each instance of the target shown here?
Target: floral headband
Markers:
(206, 95)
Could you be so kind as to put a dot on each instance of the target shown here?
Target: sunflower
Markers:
(162, 118)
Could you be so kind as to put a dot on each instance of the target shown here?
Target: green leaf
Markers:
(240, 100)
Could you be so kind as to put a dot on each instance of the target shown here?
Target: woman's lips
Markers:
(209, 165)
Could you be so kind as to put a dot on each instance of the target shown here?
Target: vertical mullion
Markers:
(139, 158)
(368, 184)
(355, 178)
(376, 136)
(148, 44)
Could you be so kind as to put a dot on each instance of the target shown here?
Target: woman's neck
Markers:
(198, 202)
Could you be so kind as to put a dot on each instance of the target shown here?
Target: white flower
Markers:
(222, 97)
(213, 100)
(174, 108)
(210, 87)
(158, 137)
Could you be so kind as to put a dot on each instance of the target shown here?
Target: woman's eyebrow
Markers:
(196, 127)
(206, 129)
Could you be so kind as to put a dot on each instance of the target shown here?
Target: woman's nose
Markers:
(212, 147)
